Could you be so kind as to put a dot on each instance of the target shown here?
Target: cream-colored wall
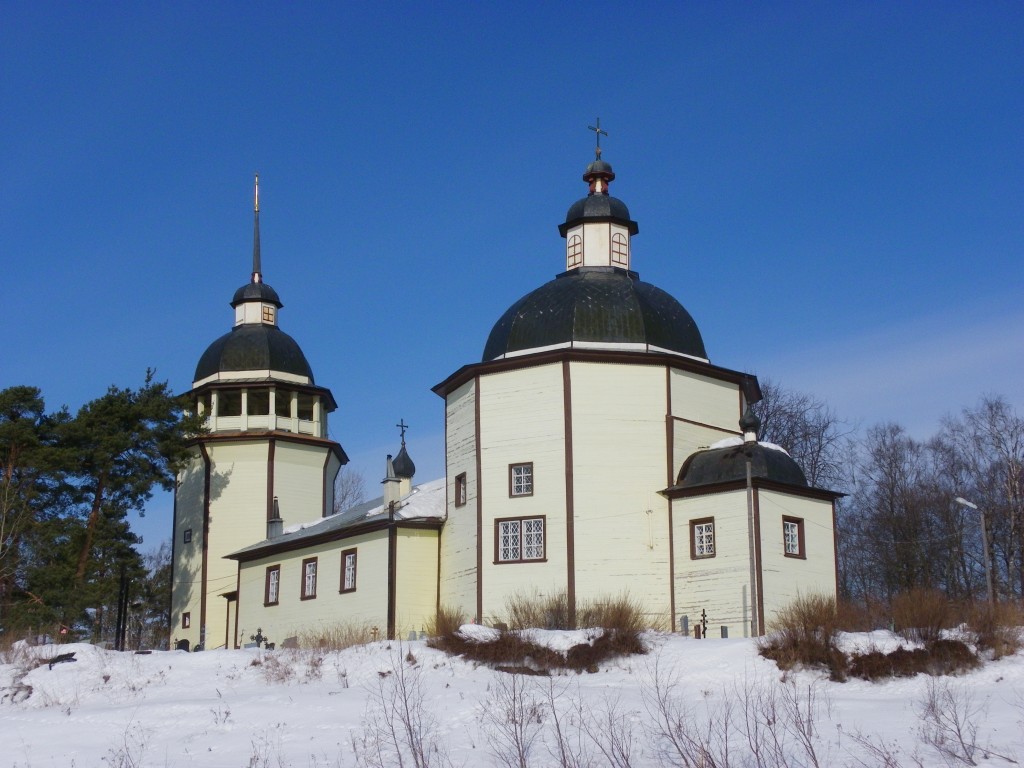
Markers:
(522, 420)
(719, 585)
(597, 244)
(292, 616)
(786, 578)
(416, 580)
(188, 558)
(713, 404)
(299, 480)
(458, 538)
(619, 459)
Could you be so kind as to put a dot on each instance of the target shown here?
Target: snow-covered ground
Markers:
(304, 709)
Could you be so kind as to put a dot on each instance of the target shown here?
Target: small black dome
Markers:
(403, 465)
(256, 292)
(723, 465)
(254, 348)
(749, 421)
(595, 304)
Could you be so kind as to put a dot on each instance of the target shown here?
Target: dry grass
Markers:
(536, 611)
(446, 622)
(335, 637)
(998, 629)
(921, 614)
(804, 633)
(941, 657)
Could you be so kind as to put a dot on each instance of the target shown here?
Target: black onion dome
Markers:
(253, 348)
(724, 465)
(256, 292)
(403, 465)
(595, 304)
(598, 208)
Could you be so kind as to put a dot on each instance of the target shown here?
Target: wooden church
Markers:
(594, 451)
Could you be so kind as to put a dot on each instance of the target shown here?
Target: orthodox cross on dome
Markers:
(402, 426)
(257, 269)
(598, 133)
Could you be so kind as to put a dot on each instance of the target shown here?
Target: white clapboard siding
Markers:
(299, 480)
(458, 539)
(705, 400)
(185, 591)
(619, 458)
(786, 578)
(416, 587)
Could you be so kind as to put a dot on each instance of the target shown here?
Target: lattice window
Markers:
(574, 252)
(520, 479)
(793, 536)
(273, 585)
(702, 538)
(348, 570)
(620, 249)
(309, 579)
(519, 539)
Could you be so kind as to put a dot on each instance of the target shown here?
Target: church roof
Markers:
(424, 504)
(726, 461)
(256, 292)
(598, 305)
(252, 347)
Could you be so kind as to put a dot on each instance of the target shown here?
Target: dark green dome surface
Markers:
(595, 304)
(728, 464)
(253, 348)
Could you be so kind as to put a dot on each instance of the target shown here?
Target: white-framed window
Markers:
(348, 571)
(460, 490)
(520, 479)
(272, 588)
(519, 539)
(793, 537)
(702, 538)
(309, 578)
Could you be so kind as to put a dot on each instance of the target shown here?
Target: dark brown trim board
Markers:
(392, 578)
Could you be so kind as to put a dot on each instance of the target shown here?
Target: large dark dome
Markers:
(253, 348)
(598, 305)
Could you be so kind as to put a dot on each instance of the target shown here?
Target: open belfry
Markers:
(593, 451)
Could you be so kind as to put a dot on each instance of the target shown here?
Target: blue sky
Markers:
(834, 191)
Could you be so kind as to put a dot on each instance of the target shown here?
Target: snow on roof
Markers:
(732, 442)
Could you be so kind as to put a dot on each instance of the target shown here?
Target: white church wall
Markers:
(719, 585)
(522, 421)
(299, 480)
(786, 578)
(333, 468)
(188, 556)
(292, 616)
(458, 539)
(416, 580)
(619, 458)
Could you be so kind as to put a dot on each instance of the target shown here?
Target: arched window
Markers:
(574, 252)
(620, 249)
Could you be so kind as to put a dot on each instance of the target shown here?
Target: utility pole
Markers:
(984, 541)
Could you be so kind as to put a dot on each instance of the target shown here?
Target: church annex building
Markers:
(593, 450)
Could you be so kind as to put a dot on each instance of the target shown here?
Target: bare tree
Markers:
(349, 489)
(808, 428)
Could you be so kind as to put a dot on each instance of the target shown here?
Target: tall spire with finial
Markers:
(257, 269)
(599, 174)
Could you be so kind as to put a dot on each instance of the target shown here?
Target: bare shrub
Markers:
(921, 614)
(941, 657)
(610, 731)
(446, 622)
(536, 611)
(569, 748)
(860, 617)
(275, 669)
(335, 637)
(513, 720)
(399, 729)
(997, 629)
(949, 722)
(804, 633)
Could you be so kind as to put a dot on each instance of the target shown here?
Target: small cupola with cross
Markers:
(597, 228)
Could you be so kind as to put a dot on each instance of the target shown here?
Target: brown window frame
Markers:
(268, 314)
(355, 570)
(799, 522)
(511, 480)
(574, 251)
(693, 538)
(460, 490)
(497, 539)
(186, 536)
(620, 249)
(186, 619)
(302, 580)
(266, 585)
